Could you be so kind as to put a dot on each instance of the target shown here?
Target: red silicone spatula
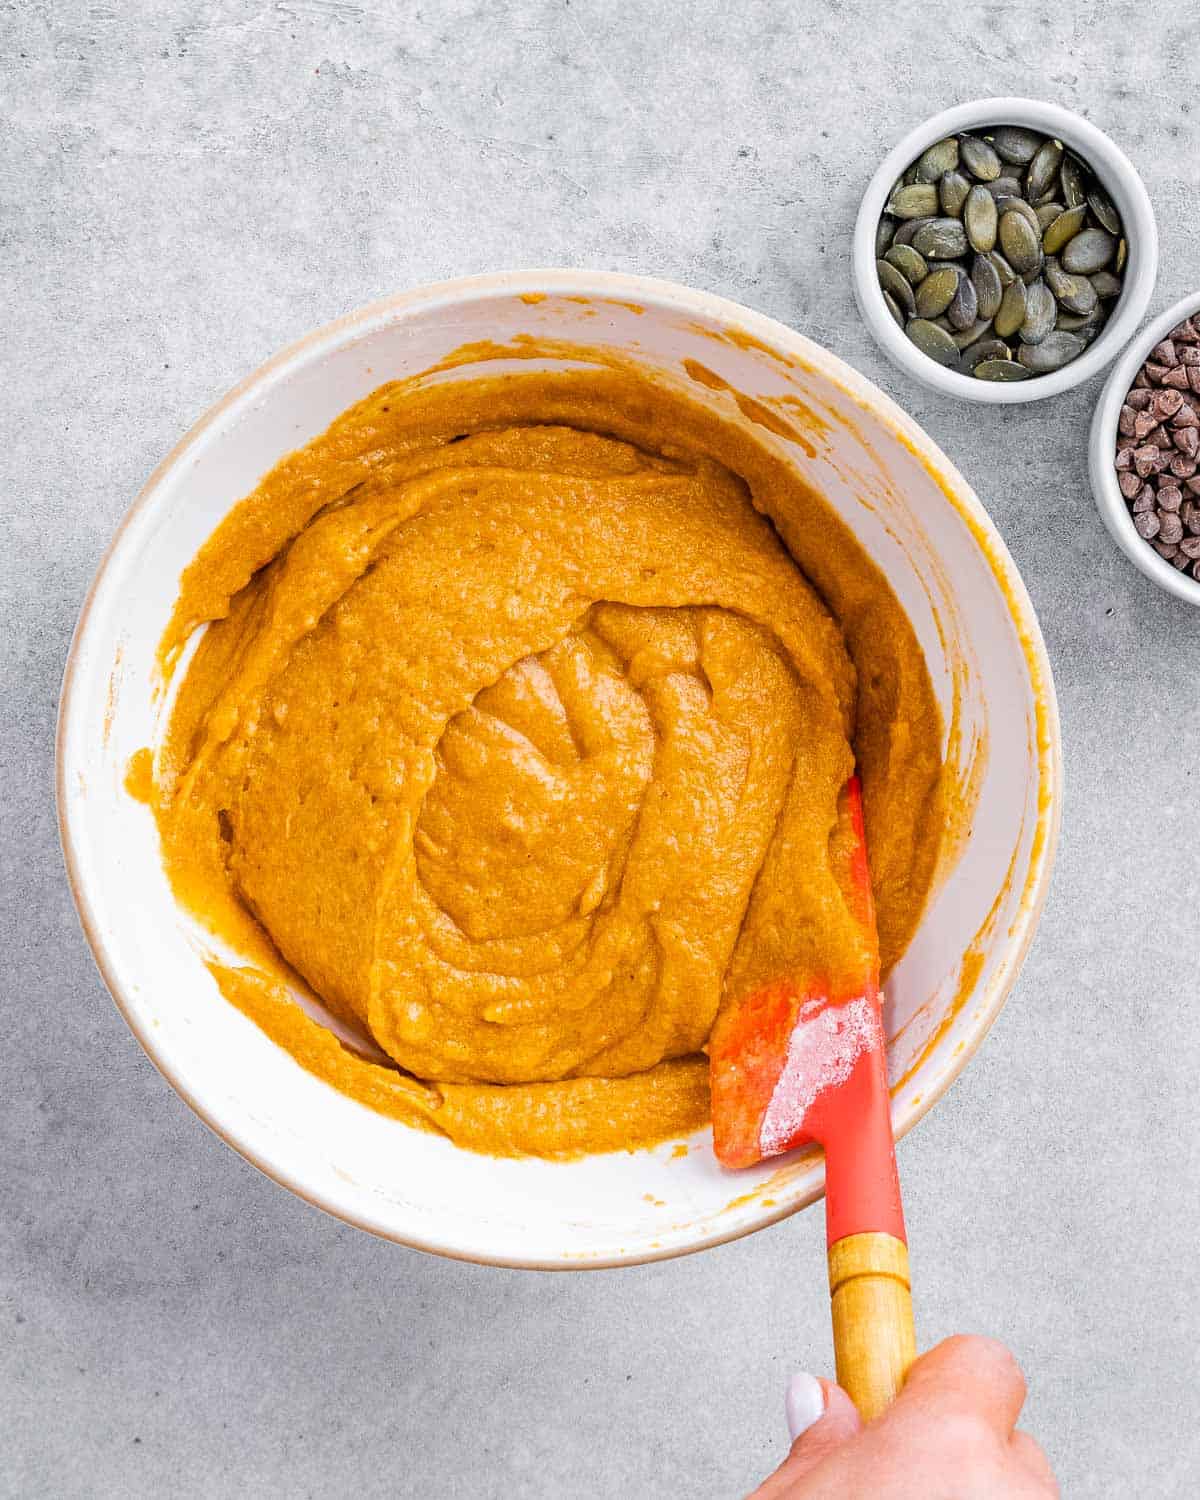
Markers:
(794, 1063)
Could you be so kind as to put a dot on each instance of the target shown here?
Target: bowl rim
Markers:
(1119, 176)
(1102, 439)
(676, 299)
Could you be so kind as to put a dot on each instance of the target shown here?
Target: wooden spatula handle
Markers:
(873, 1336)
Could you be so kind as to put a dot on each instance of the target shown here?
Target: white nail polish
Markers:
(805, 1403)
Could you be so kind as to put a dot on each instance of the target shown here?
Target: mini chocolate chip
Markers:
(1170, 527)
(1187, 440)
(1139, 400)
(1130, 484)
(1164, 353)
(1143, 501)
(1155, 373)
(1144, 461)
(1177, 378)
(1144, 422)
(1169, 498)
(1166, 403)
(1124, 458)
(1146, 525)
(1190, 546)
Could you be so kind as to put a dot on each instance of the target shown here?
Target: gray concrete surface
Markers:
(186, 187)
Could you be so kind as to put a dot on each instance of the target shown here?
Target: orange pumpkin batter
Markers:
(516, 737)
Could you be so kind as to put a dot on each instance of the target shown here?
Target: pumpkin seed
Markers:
(894, 308)
(1011, 313)
(964, 310)
(937, 159)
(1020, 242)
(1005, 272)
(1056, 350)
(1090, 250)
(1043, 169)
(936, 292)
(1019, 206)
(884, 231)
(904, 234)
(1064, 228)
(1122, 253)
(891, 281)
(980, 218)
(986, 349)
(1107, 285)
(1040, 313)
(1048, 212)
(1016, 145)
(1004, 187)
(1000, 369)
(1079, 323)
(979, 158)
(988, 290)
(964, 338)
(1101, 206)
(909, 176)
(1075, 294)
(910, 265)
(952, 193)
(1074, 181)
(934, 341)
(941, 239)
(916, 201)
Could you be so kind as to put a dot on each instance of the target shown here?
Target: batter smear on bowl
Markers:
(516, 738)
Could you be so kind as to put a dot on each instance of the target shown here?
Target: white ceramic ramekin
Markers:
(1124, 186)
(918, 520)
(1102, 445)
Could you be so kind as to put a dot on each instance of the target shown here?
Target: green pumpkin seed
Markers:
(937, 159)
(964, 338)
(1016, 145)
(1064, 228)
(980, 218)
(1019, 206)
(1075, 294)
(1107, 285)
(979, 158)
(934, 341)
(1091, 250)
(1011, 313)
(1073, 177)
(986, 349)
(1079, 323)
(904, 235)
(1122, 254)
(884, 231)
(952, 193)
(988, 290)
(1005, 272)
(944, 323)
(909, 177)
(1106, 215)
(936, 292)
(1052, 353)
(1004, 187)
(964, 310)
(942, 239)
(1000, 369)
(894, 308)
(910, 265)
(918, 200)
(1043, 169)
(1040, 313)
(1020, 242)
(892, 281)
(1048, 212)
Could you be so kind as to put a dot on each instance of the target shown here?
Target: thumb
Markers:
(821, 1417)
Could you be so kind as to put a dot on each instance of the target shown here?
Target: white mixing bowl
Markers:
(915, 516)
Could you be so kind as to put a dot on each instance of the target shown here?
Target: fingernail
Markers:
(805, 1403)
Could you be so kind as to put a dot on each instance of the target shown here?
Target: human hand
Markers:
(949, 1435)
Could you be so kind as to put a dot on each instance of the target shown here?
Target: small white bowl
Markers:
(1102, 444)
(917, 519)
(1121, 181)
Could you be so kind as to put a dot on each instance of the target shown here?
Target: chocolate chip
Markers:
(1170, 527)
(1187, 440)
(1168, 550)
(1138, 399)
(1164, 353)
(1147, 525)
(1144, 422)
(1186, 416)
(1193, 374)
(1124, 458)
(1190, 547)
(1189, 355)
(1183, 467)
(1169, 498)
(1155, 373)
(1166, 403)
(1146, 461)
(1186, 332)
(1177, 378)
(1190, 515)
(1144, 500)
